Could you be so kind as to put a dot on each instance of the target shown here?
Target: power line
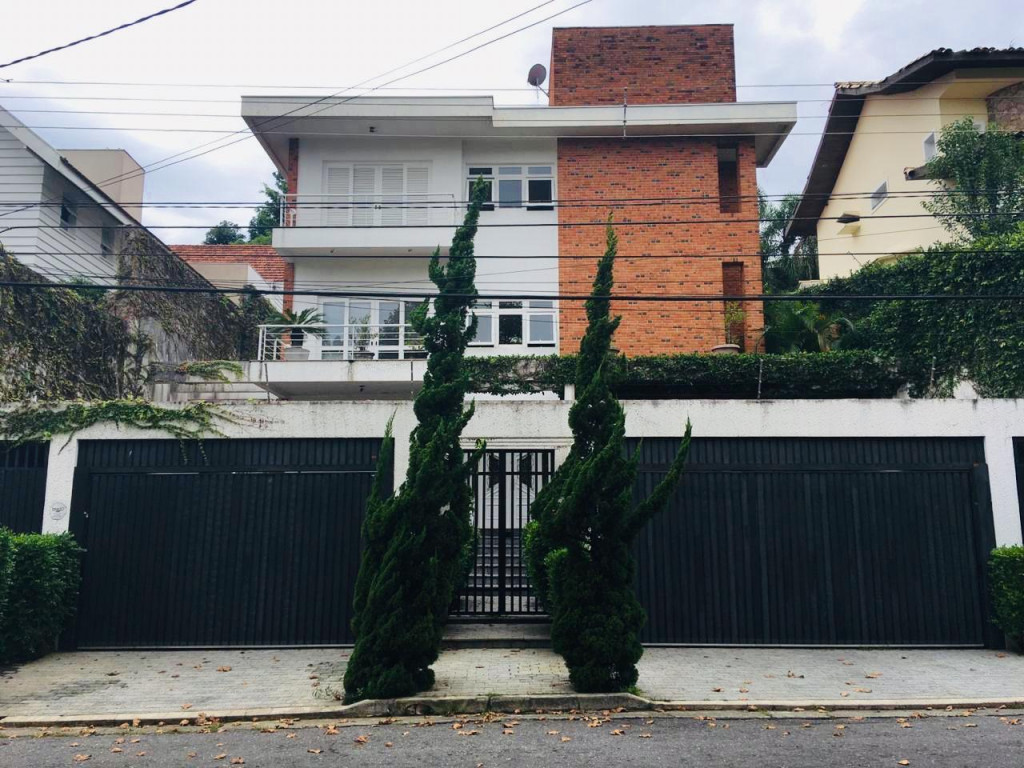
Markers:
(668, 298)
(171, 159)
(556, 224)
(141, 84)
(98, 35)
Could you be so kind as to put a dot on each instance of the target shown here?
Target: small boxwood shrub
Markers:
(41, 587)
(1006, 577)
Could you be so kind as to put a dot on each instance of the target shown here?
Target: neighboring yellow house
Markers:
(864, 193)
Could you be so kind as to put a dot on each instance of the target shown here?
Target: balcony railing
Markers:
(375, 210)
(355, 341)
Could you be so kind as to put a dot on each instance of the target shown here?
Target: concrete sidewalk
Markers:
(182, 684)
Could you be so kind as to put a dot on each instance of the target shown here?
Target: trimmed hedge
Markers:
(39, 577)
(1006, 578)
(790, 376)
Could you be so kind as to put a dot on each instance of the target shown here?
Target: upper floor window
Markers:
(514, 186)
(393, 194)
(108, 241)
(879, 195)
(68, 214)
(929, 147)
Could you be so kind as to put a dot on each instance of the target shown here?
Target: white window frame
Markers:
(524, 176)
(930, 146)
(494, 311)
(880, 195)
(408, 341)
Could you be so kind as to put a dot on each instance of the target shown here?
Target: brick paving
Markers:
(92, 683)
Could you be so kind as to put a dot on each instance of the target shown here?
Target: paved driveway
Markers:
(190, 682)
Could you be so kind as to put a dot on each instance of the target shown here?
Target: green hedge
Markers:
(790, 376)
(39, 576)
(1006, 577)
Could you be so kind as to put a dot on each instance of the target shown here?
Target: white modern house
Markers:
(379, 183)
(61, 210)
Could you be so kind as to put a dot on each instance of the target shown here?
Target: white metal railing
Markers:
(374, 210)
(352, 341)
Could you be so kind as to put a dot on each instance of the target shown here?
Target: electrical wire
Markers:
(667, 298)
(98, 35)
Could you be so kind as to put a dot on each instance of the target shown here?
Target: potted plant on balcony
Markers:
(364, 339)
(299, 324)
(734, 316)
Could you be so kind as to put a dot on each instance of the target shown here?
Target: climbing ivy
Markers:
(937, 344)
(30, 422)
(211, 370)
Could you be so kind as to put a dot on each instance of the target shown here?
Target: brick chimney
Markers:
(653, 65)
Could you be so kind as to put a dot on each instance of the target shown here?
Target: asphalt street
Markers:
(976, 740)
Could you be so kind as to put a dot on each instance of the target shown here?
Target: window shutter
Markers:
(417, 187)
(364, 188)
(337, 187)
(392, 187)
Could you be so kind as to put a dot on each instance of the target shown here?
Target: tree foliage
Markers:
(980, 180)
(785, 261)
(942, 342)
(578, 546)
(268, 215)
(224, 233)
(418, 536)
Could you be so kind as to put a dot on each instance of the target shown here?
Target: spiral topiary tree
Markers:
(579, 544)
(415, 540)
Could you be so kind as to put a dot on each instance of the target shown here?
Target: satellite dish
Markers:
(538, 74)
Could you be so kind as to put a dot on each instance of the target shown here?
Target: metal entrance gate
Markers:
(808, 541)
(222, 543)
(23, 486)
(504, 484)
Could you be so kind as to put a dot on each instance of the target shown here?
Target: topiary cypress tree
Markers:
(415, 540)
(579, 545)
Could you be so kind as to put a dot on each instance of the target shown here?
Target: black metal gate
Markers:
(23, 486)
(223, 543)
(505, 483)
(819, 542)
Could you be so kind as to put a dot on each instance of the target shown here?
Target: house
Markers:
(242, 264)
(642, 123)
(62, 211)
(70, 215)
(863, 195)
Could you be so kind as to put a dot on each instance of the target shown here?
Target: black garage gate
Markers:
(819, 542)
(219, 543)
(23, 485)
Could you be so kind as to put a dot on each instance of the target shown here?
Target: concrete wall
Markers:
(540, 424)
(103, 166)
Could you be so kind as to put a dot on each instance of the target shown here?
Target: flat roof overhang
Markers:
(275, 119)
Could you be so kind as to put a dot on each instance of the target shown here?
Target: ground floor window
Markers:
(515, 323)
(372, 329)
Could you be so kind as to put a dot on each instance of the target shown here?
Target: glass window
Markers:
(540, 192)
(929, 147)
(879, 195)
(484, 329)
(334, 317)
(510, 170)
(510, 329)
(539, 170)
(542, 329)
(390, 319)
(68, 214)
(480, 171)
(510, 305)
(542, 304)
(510, 193)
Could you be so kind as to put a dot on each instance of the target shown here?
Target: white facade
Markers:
(381, 183)
(52, 218)
(544, 424)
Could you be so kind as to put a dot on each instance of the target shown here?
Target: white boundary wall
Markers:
(531, 423)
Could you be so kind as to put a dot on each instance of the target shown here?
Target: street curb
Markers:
(507, 704)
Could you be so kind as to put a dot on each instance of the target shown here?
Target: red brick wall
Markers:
(263, 258)
(657, 65)
(291, 176)
(694, 252)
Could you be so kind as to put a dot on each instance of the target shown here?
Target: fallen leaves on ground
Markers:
(314, 751)
(238, 761)
(362, 739)
(81, 758)
(225, 668)
(186, 706)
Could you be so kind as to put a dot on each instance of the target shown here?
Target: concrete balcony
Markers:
(366, 225)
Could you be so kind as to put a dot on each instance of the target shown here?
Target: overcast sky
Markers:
(255, 45)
